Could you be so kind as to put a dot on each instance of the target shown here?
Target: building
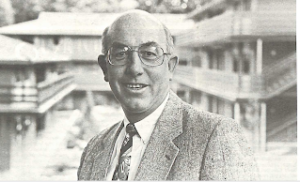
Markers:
(34, 82)
(78, 35)
(240, 61)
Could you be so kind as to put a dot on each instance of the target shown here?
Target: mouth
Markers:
(135, 86)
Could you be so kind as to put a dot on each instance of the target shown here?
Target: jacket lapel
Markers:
(102, 159)
(161, 152)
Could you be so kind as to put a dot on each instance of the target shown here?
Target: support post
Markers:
(263, 126)
(237, 112)
(259, 56)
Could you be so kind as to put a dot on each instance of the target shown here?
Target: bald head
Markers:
(133, 22)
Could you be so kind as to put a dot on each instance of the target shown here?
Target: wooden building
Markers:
(78, 35)
(34, 82)
(239, 60)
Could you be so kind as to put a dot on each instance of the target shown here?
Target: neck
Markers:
(136, 117)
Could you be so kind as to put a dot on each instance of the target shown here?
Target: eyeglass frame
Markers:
(136, 49)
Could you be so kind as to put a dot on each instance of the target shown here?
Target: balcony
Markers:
(30, 98)
(232, 86)
(47, 89)
(232, 25)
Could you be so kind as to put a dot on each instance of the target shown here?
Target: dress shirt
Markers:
(144, 128)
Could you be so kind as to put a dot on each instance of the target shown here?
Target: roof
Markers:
(14, 51)
(85, 24)
(203, 9)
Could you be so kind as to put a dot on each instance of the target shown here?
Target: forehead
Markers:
(136, 30)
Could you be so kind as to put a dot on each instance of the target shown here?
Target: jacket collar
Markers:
(161, 151)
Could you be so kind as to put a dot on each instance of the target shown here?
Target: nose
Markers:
(135, 67)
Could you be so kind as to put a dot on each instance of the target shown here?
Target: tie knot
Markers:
(131, 130)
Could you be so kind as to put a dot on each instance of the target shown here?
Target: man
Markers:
(161, 137)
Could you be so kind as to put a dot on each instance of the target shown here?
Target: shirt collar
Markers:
(146, 125)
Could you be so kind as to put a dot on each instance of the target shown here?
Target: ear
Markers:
(102, 64)
(172, 65)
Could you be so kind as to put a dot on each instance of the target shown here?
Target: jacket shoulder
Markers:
(202, 120)
(227, 155)
(89, 151)
(99, 137)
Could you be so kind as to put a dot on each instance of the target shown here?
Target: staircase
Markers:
(283, 130)
(280, 77)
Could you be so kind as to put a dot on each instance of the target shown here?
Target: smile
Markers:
(135, 86)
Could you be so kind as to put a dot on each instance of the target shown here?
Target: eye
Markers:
(148, 54)
(118, 54)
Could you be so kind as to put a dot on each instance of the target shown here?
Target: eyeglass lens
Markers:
(149, 55)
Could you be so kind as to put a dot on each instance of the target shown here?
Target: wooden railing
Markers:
(32, 95)
(280, 75)
(207, 31)
(19, 92)
(265, 23)
(230, 24)
(47, 89)
(212, 81)
(275, 79)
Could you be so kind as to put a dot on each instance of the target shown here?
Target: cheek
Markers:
(114, 74)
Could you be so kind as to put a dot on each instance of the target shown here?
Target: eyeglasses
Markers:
(150, 55)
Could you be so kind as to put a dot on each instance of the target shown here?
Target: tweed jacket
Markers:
(186, 144)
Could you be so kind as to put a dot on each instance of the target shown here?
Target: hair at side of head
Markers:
(106, 37)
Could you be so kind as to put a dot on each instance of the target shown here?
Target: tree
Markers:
(26, 10)
(6, 13)
(170, 6)
(29, 9)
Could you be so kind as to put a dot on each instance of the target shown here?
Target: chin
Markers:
(136, 108)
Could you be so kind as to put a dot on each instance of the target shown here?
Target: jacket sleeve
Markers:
(227, 155)
(87, 157)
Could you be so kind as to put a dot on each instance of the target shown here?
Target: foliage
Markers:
(29, 9)
(25, 10)
(169, 6)
(6, 13)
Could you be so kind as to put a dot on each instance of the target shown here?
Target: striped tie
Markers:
(122, 170)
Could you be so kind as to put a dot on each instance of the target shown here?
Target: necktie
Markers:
(122, 170)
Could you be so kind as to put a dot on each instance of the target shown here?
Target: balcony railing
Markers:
(47, 89)
(232, 85)
(211, 81)
(28, 95)
(236, 24)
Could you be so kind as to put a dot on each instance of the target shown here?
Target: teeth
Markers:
(134, 86)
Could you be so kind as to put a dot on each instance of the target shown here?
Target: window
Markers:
(56, 40)
(183, 62)
(247, 5)
(246, 65)
(210, 59)
(197, 62)
(235, 65)
(220, 59)
(236, 6)
(40, 73)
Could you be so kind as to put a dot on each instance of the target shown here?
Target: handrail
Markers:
(255, 85)
(287, 121)
(50, 82)
(283, 63)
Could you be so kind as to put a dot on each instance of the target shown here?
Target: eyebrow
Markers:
(147, 44)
